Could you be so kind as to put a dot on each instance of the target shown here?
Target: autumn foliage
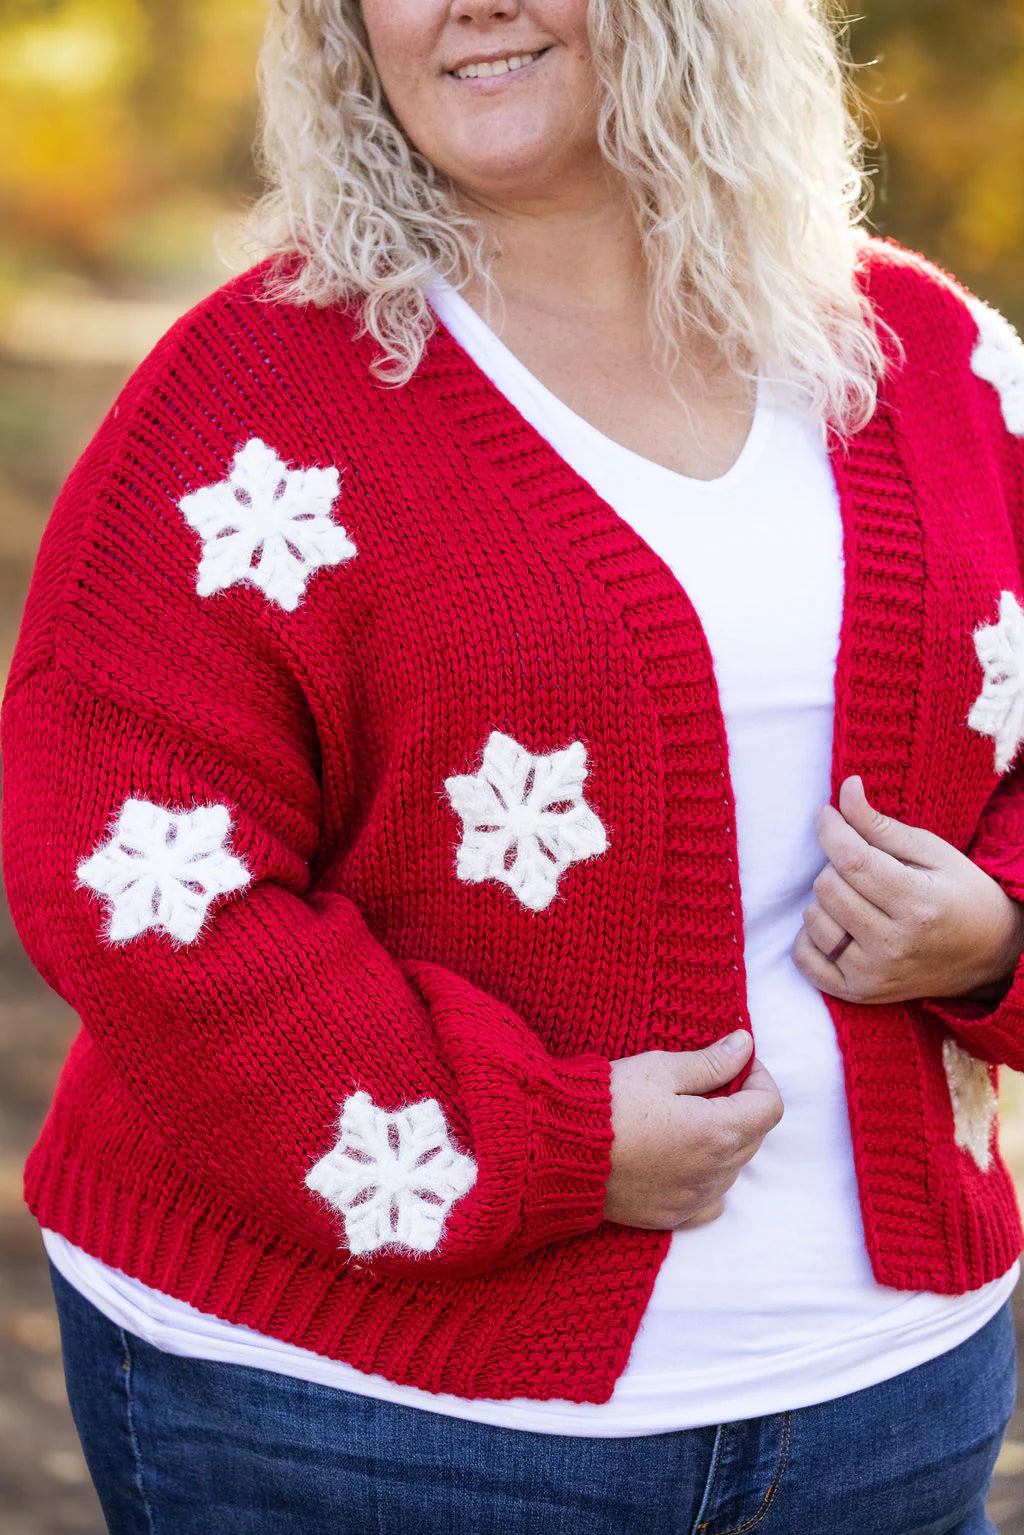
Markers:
(126, 124)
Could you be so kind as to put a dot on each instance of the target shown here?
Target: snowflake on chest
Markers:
(267, 525)
(999, 709)
(998, 358)
(524, 818)
(394, 1177)
(162, 868)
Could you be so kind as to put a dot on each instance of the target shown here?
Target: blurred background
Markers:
(125, 134)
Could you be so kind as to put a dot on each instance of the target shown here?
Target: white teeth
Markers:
(498, 67)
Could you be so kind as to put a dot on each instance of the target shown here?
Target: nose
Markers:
(484, 10)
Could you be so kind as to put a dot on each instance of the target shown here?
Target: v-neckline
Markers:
(457, 315)
(883, 560)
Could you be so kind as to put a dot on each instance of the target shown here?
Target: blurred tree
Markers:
(127, 127)
(122, 119)
(947, 98)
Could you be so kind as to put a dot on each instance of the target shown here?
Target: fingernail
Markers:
(735, 1042)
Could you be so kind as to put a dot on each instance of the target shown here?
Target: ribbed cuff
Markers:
(569, 1150)
(992, 1031)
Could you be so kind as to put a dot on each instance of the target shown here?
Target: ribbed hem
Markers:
(557, 1324)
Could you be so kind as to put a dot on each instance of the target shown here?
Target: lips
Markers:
(498, 67)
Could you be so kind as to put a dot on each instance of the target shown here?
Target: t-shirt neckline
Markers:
(459, 316)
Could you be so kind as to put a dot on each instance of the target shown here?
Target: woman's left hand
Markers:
(925, 921)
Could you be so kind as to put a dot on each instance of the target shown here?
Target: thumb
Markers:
(910, 844)
(698, 1071)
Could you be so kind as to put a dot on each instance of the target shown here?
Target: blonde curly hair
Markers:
(729, 122)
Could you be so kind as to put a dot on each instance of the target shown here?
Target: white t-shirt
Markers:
(772, 1306)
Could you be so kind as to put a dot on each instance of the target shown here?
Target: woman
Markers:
(575, 522)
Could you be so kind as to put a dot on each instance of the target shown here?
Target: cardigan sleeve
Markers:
(995, 1030)
(164, 891)
(165, 854)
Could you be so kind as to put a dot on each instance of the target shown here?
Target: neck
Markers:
(577, 254)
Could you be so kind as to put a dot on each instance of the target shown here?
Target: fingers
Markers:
(824, 931)
(816, 967)
(759, 1081)
(876, 876)
(875, 855)
(846, 910)
(755, 1108)
(703, 1217)
(697, 1072)
(910, 844)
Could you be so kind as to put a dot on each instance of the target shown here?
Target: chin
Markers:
(510, 170)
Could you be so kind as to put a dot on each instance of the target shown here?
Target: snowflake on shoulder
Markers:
(265, 509)
(394, 1177)
(524, 818)
(998, 358)
(162, 869)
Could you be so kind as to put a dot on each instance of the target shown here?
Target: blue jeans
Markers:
(188, 1447)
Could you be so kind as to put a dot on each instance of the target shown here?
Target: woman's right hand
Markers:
(676, 1152)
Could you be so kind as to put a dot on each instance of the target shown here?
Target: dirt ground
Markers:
(48, 410)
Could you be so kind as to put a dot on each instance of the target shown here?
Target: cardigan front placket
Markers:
(700, 988)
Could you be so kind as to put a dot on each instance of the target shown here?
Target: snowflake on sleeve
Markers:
(999, 709)
(265, 508)
(162, 868)
(394, 1177)
(524, 818)
(998, 358)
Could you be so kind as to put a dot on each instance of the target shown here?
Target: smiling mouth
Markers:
(514, 64)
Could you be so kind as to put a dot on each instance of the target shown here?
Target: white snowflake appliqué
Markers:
(524, 818)
(999, 710)
(162, 868)
(975, 1105)
(394, 1177)
(265, 507)
(998, 358)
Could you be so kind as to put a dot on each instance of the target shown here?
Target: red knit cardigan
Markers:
(447, 776)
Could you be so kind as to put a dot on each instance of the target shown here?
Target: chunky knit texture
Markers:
(319, 733)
